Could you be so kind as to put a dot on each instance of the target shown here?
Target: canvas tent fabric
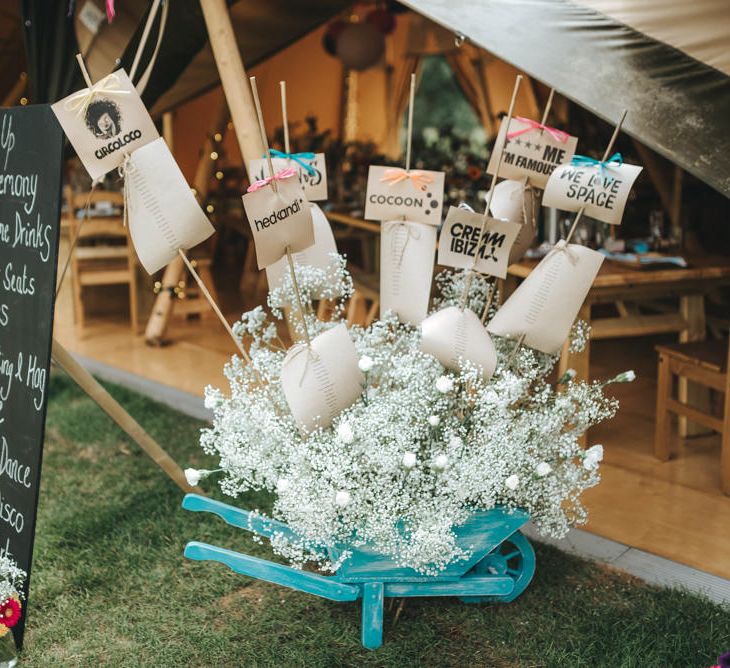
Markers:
(185, 66)
(679, 104)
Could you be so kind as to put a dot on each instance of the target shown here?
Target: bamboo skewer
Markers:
(614, 136)
(214, 306)
(143, 40)
(506, 122)
(546, 111)
(409, 138)
(284, 117)
(265, 142)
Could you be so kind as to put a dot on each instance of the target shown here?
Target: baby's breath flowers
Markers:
(12, 578)
(417, 452)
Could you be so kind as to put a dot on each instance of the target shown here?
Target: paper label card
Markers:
(406, 269)
(314, 183)
(460, 236)
(530, 151)
(319, 254)
(321, 381)
(105, 122)
(162, 211)
(393, 193)
(451, 335)
(279, 219)
(603, 192)
(545, 305)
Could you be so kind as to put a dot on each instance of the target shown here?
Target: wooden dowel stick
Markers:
(520, 341)
(110, 406)
(409, 138)
(295, 285)
(548, 105)
(284, 116)
(490, 299)
(506, 122)
(262, 130)
(614, 136)
(84, 71)
(143, 39)
(215, 308)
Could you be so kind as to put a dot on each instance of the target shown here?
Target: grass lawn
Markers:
(110, 586)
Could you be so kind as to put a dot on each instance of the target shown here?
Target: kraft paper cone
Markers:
(162, 213)
(513, 202)
(320, 381)
(406, 269)
(545, 305)
(452, 334)
(318, 255)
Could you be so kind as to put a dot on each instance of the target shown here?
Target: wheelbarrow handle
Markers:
(311, 583)
(237, 517)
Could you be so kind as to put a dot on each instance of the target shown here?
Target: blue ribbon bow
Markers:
(585, 161)
(299, 158)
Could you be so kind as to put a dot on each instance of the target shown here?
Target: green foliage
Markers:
(110, 586)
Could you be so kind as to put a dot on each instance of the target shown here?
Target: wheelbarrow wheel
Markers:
(513, 557)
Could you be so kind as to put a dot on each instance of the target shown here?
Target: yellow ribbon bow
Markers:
(81, 100)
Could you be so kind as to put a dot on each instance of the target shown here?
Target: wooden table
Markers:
(625, 287)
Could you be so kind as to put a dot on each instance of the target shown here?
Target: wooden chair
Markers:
(103, 253)
(705, 363)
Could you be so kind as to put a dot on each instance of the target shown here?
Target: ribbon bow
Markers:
(531, 125)
(126, 168)
(299, 158)
(279, 176)
(81, 100)
(419, 179)
(584, 161)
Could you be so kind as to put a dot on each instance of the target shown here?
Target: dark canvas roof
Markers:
(678, 105)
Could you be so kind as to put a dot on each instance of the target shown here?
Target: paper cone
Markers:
(452, 334)
(318, 255)
(406, 269)
(321, 381)
(512, 202)
(546, 303)
(162, 213)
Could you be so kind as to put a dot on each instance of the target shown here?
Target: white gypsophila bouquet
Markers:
(417, 452)
(12, 578)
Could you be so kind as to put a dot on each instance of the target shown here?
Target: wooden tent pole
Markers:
(233, 79)
(164, 303)
(110, 406)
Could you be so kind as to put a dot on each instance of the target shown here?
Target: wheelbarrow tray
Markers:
(501, 565)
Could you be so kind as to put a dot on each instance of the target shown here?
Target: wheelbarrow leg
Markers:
(372, 615)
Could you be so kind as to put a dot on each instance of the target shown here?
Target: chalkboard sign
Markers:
(31, 145)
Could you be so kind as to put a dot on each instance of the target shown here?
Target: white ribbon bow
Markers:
(81, 100)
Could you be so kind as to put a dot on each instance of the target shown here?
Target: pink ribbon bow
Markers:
(279, 176)
(556, 134)
(419, 179)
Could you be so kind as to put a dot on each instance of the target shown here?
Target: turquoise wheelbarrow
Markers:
(499, 570)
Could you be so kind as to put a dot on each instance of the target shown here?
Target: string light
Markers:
(219, 175)
(218, 136)
(210, 208)
(214, 155)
